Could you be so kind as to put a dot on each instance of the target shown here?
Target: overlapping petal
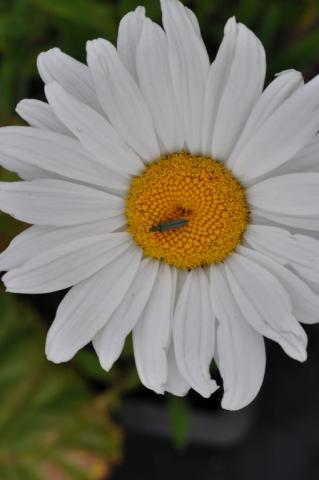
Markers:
(66, 265)
(305, 302)
(288, 199)
(277, 139)
(57, 203)
(277, 92)
(240, 354)
(51, 154)
(39, 239)
(265, 304)
(234, 84)
(307, 159)
(176, 383)
(121, 99)
(129, 34)
(56, 66)
(189, 64)
(299, 252)
(109, 341)
(88, 306)
(151, 335)
(194, 333)
(94, 132)
(156, 84)
(40, 115)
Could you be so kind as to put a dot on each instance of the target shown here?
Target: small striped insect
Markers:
(170, 225)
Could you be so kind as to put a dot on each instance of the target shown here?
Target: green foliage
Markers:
(179, 413)
(49, 420)
(82, 12)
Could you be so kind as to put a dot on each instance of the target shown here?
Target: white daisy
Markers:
(177, 199)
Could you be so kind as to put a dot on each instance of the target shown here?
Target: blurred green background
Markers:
(57, 422)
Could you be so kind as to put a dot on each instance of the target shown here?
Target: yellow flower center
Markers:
(186, 210)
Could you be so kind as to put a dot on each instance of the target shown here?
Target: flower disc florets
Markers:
(186, 210)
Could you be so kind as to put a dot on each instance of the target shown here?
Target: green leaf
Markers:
(300, 53)
(270, 25)
(179, 413)
(50, 423)
(84, 12)
(86, 362)
(248, 10)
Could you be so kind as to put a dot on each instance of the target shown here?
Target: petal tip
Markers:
(105, 363)
(140, 10)
(208, 390)
(55, 355)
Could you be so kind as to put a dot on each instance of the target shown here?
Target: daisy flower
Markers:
(178, 199)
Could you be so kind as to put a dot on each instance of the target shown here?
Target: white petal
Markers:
(94, 132)
(181, 278)
(189, 65)
(282, 135)
(194, 21)
(121, 99)
(298, 252)
(307, 159)
(40, 115)
(156, 85)
(304, 301)
(308, 272)
(217, 78)
(243, 84)
(38, 239)
(75, 77)
(241, 355)
(176, 384)
(109, 341)
(194, 333)
(284, 85)
(294, 196)
(265, 304)
(307, 223)
(279, 244)
(151, 335)
(23, 170)
(66, 265)
(58, 203)
(129, 35)
(59, 155)
(89, 305)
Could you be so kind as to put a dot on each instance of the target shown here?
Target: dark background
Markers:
(281, 441)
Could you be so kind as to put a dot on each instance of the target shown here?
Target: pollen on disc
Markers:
(199, 190)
